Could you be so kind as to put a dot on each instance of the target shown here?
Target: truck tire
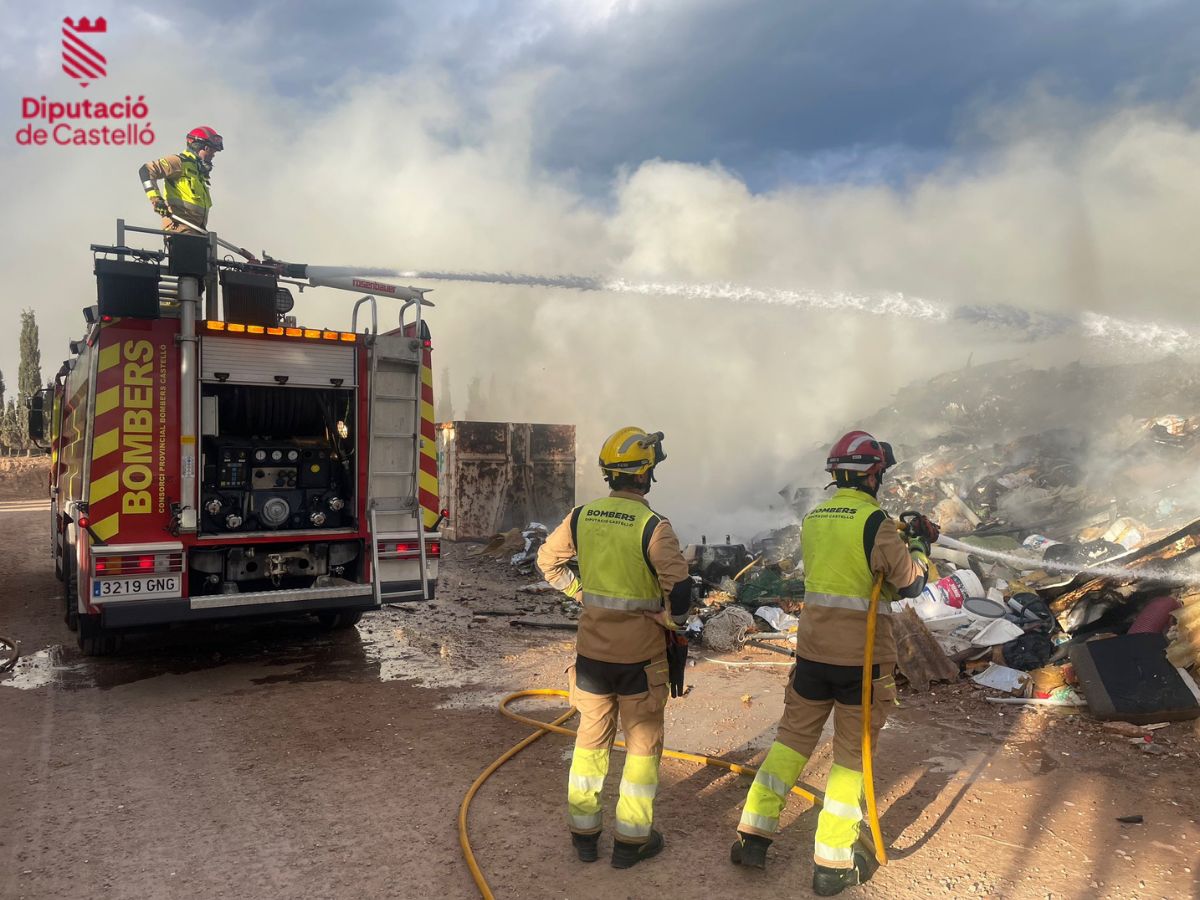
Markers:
(338, 621)
(95, 640)
(70, 589)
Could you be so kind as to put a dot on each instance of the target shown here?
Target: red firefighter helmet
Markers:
(205, 135)
(859, 452)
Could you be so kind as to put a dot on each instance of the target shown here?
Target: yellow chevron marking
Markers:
(106, 401)
(106, 443)
(428, 482)
(107, 527)
(109, 357)
(427, 376)
(104, 487)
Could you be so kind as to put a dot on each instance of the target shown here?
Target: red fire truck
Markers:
(212, 458)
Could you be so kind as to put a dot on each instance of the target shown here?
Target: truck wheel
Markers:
(95, 640)
(70, 590)
(337, 621)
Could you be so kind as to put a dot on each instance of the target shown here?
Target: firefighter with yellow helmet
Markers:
(845, 541)
(633, 583)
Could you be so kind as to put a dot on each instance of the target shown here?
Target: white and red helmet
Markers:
(205, 135)
(859, 452)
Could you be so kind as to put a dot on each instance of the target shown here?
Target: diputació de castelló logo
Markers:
(84, 123)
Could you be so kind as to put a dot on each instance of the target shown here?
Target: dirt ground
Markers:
(272, 760)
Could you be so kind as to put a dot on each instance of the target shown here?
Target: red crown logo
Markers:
(100, 26)
(80, 60)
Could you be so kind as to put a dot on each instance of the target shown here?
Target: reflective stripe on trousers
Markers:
(635, 805)
(842, 601)
(837, 826)
(588, 768)
(768, 793)
(622, 604)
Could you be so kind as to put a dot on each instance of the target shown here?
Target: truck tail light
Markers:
(409, 549)
(138, 564)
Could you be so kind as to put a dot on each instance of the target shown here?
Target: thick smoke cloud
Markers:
(402, 171)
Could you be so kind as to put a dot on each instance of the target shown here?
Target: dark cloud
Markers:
(751, 84)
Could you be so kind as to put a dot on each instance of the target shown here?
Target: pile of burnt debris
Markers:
(1065, 574)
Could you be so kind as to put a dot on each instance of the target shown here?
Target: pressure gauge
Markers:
(293, 455)
(276, 455)
(260, 455)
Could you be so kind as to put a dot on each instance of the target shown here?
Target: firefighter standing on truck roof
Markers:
(185, 177)
(845, 541)
(635, 589)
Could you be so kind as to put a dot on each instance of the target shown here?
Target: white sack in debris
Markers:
(777, 618)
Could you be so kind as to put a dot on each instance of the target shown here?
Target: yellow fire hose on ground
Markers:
(868, 763)
(556, 727)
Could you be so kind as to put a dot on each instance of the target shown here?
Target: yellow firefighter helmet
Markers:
(631, 451)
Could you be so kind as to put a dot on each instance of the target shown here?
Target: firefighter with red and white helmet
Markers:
(185, 178)
(846, 542)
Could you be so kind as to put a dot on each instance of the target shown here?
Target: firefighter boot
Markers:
(827, 881)
(626, 854)
(586, 846)
(749, 850)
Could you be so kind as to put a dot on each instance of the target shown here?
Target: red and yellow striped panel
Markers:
(427, 483)
(135, 430)
(104, 504)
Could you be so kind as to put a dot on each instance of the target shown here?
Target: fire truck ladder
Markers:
(393, 463)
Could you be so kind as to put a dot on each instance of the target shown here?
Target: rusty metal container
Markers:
(500, 475)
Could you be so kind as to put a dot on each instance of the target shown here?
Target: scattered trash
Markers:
(10, 652)
(777, 618)
(1069, 700)
(998, 632)
(1002, 678)
(1028, 652)
(727, 630)
(533, 536)
(954, 589)
(920, 656)
(1130, 678)
(542, 623)
(1130, 820)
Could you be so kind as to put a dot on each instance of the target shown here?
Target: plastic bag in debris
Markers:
(777, 618)
(533, 536)
(1028, 607)
(1029, 652)
(1085, 554)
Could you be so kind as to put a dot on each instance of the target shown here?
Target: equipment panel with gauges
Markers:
(252, 485)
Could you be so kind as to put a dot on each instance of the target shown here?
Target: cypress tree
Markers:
(29, 375)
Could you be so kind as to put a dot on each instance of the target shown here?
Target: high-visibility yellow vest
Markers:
(837, 573)
(189, 192)
(610, 538)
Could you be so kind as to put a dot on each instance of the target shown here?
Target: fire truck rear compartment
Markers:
(276, 459)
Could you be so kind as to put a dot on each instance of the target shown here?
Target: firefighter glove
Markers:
(921, 526)
(160, 206)
(677, 653)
